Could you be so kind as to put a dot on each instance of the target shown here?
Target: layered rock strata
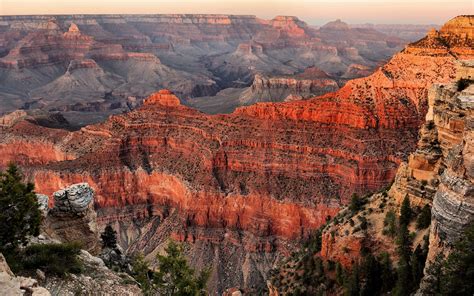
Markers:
(72, 217)
(438, 173)
(240, 189)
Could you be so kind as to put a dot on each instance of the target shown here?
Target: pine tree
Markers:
(405, 211)
(386, 273)
(142, 274)
(175, 277)
(404, 276)
(458, 270)
(371, 271)
(20, 215)
(109, 238)
(417, 263)
(424, 218)
(353, 282)
(390, 223)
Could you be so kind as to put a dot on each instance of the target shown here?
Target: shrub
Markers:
(56, 259)
(463, 83)
(109, 238)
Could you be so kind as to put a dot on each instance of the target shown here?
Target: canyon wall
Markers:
(91, 66)
(240, 189)
(438, 173)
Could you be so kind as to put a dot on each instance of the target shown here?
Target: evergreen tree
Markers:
(175, 277)
(355, 203)
(405, 211)
(417, 263)
(458, 271)
(390, 223)
(20, 215)
(424, 218)
(404, 276)
(371, 271)
(387, 276)
(353, 282)
(109, 238)
(142, 274)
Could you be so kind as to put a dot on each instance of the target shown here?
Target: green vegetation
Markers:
(424, 218)
(390, 224)
(109, 238)
(54, 259)
(57, 259)
(173, 275)
(405, 212)
(458, 271)
(20, 216)
(356, 204)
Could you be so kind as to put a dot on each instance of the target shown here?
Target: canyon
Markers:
(242, 189)
(90, 66)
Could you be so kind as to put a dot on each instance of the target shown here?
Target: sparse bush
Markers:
(56, 259)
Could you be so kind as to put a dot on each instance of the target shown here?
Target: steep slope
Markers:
(242, 188)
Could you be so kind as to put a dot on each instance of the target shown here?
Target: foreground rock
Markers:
(73, 218)
(11, 285)
(95, 279)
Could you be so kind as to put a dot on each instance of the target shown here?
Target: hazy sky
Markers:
(312, 11)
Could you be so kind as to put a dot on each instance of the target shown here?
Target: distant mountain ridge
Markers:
(193, 55)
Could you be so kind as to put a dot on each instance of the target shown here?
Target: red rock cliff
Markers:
(262, 175)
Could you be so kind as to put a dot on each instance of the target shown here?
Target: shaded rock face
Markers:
(72, 217)
(242, 188)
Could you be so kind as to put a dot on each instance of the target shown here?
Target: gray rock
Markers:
(73, 199)
(43, 203)
(453, 207)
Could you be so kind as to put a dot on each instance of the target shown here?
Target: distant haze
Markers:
(311, 11)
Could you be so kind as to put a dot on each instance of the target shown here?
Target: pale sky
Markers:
(311, 11)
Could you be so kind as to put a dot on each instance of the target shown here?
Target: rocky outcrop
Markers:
(95, 278)
(277, 89)
(72, 217)
(11, 285)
